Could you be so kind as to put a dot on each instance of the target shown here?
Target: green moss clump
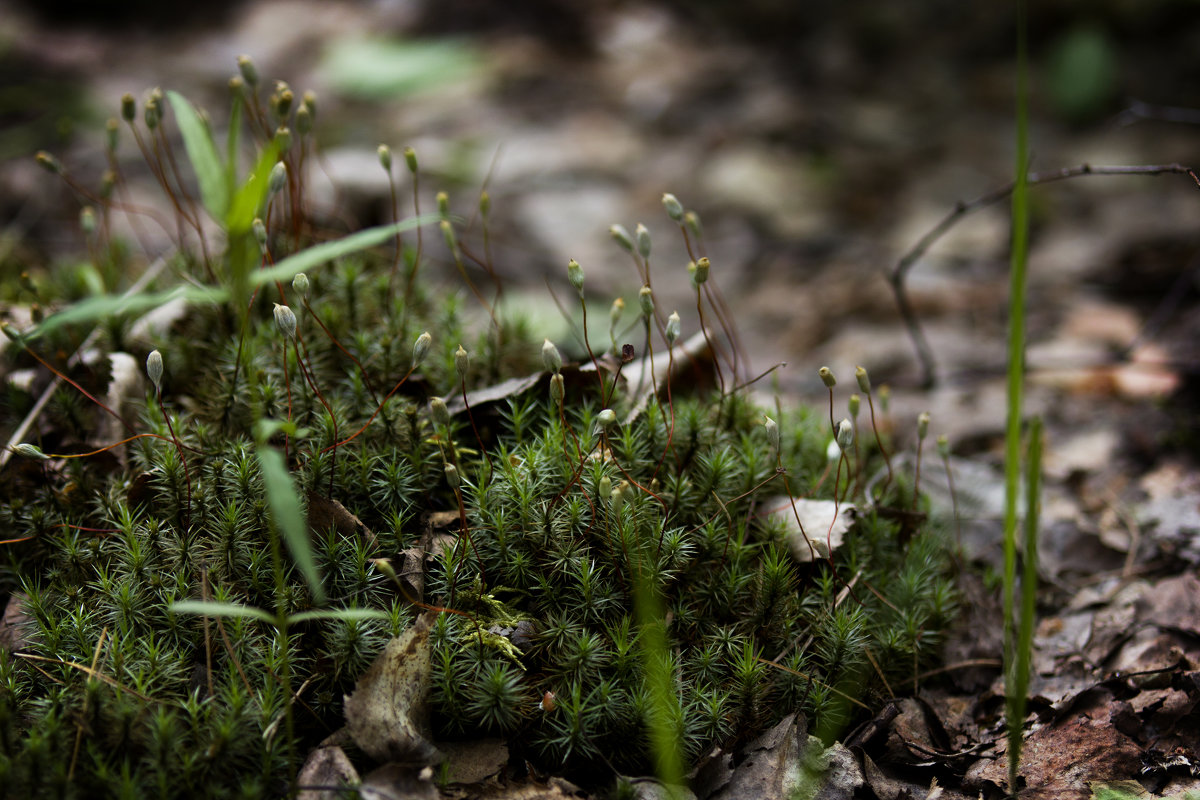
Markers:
(547, 522)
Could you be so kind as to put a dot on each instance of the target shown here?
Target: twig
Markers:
(961, 209)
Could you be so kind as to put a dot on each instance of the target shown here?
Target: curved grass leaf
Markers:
(319, 254)
(248, 200)
(347, 614)
(202, 152)
(107, 305)
(288, 517)
(211, 609)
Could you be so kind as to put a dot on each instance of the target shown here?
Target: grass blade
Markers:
(346, 614)
(319, 254)
(210, 609)
(202, 152)
(1016, 378)
(107, 305)
(288, 517)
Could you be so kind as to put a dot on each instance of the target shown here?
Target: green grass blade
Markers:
(248, 200)
(319, 254)
(1016, 377)
(288, 517)
(232, 143)
(202, 152)
(347, 614)
(209, 609)
(106, 305)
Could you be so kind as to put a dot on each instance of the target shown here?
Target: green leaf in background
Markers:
(288, 516)
(210, 609)
(382, 68)
(202, 152)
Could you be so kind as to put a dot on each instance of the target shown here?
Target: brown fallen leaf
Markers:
(387, 714)
(325, 513)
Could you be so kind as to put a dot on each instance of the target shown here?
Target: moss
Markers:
(556, 505)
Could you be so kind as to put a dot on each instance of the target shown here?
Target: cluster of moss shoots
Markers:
(548, 526)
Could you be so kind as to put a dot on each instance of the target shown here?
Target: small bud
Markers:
(282, 100)
(421, 348)
(277, 179)
(673, 327)
(628, 353)
(617, 496)
(310, 102)
(111, 129)
(943, 446)
(772, 432)
(485, 203)
(604, 487)
(154, 368)
(922, 425)
(864, 381)
(462, 363)
(248, 70)
(237, 86)
(643, 240)
(448, 235)
(557, 388)
(845, 434)
(673, 207)
(548, 703)
(551, 358)
(575, 275)
(285, 320)
(300, 284)
(128, 107)
(260, 234)
(151, 113)
(108, 181)
(439, 411)
(443, 205)
(885, 397)
(87, 220)
(283, 138)
(410, 158)
(621, 236)
(48, 162)
(304, 120)
(384, 565)
(646, 300)
(606, 419)
(385, 157)
(451, 475)
(702, 267)
(854, 403)
(827, 377)
(692, 220)
(27, 450)
(614, 313)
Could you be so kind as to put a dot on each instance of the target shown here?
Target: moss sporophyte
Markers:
(318, 456)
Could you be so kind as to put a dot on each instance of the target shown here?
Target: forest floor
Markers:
(815, 167)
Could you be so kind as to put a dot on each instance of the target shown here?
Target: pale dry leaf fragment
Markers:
(387, 714)
(326, 774)
(813, 535)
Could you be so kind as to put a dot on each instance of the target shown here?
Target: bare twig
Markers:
(961, 209)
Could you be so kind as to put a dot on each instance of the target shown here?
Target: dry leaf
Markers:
(388, 712)
(327, 770)
(813, 535)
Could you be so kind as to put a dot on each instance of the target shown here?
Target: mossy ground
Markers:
(556, 530)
